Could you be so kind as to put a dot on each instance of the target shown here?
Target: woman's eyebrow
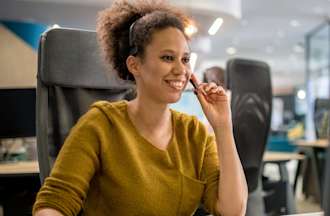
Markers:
(174, 52)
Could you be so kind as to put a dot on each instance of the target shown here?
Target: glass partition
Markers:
(318, 63)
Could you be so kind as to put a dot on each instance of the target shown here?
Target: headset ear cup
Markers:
(133, 51)
(133, 48)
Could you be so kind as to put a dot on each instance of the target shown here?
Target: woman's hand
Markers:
(215, 103)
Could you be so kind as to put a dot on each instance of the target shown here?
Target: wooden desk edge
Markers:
(270, 156)
(21, 167)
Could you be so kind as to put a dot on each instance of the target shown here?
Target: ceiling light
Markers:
(193, 60)
(295, 23)
(301, 94)
(56, 26)
(215, 26)
(190, 30)
(231, 50)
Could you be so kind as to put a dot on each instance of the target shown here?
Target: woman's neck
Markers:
(147, 114)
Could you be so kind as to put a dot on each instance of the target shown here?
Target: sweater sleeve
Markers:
(67, 186)
(210, 173)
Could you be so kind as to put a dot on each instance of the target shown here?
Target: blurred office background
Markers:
(291, 36)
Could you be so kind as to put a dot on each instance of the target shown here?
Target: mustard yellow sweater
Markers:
(106, 167)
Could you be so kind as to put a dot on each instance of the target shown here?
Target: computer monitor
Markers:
(17, 113)
(189, 104)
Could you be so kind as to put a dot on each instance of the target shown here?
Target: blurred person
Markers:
(215, 74)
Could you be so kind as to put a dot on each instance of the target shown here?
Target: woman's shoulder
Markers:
(109, 105)
(184, 117)
(102, 111)
(111, 109)
(188, 123)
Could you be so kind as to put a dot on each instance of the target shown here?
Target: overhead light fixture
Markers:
(215, 26)
(193, 60)
(231, 50)
(190, 30)
(301, 94)
(295, 23)
(56, 26)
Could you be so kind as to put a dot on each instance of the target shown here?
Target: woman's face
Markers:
(165, 69)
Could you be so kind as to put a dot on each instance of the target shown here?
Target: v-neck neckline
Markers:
(145, 140)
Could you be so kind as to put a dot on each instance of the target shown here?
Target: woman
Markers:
(140, 157)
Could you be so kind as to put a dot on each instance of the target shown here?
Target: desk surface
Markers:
(320, 143)
(21, 167)
(270, 156)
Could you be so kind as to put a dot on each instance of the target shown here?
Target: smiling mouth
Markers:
(177, 85)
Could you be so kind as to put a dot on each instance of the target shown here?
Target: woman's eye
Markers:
(167, 58)
(186, 60)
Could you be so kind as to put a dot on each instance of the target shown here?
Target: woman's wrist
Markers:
(225, 126)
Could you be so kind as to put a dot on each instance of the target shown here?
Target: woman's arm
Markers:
(232, 188)
(47, 212)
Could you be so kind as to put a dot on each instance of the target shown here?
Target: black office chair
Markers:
(71, 76)
(251, 104)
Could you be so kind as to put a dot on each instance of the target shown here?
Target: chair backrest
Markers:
(71, 76)
(321, 117)
(251, 104)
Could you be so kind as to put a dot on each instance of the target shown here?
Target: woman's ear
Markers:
(132, 64)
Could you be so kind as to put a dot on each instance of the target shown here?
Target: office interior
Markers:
(292, 38)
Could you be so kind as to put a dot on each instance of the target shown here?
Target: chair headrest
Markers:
(74, 60)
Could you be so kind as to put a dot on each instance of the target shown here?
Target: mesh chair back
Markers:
(251, 104)
(71, 76)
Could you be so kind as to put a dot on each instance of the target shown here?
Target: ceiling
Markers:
(269, 30)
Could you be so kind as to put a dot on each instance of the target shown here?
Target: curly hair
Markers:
(113, 29)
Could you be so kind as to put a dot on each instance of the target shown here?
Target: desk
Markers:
(19, 168)
(313, 183)
(281, 158)
(19, 184)
(308, 214)
(320, 143)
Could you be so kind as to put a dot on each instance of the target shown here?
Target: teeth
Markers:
(176, 84)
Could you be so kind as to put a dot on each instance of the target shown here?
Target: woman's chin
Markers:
(174, 99)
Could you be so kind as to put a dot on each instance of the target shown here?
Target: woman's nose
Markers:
(181, 68)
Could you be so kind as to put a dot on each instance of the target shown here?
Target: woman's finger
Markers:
(218, 89)
(210, 86)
